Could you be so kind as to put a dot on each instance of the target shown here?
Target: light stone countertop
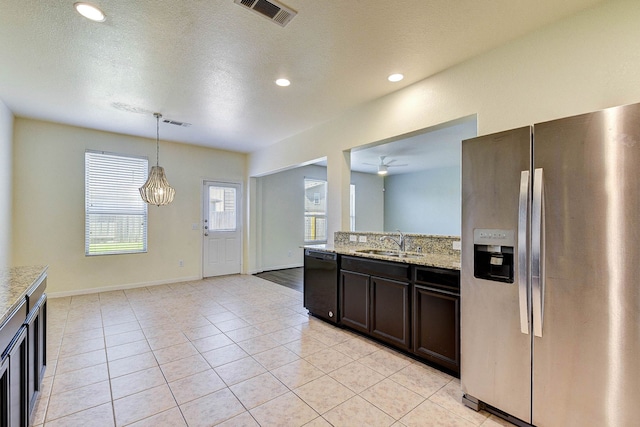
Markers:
(451, 262)
(15, 283)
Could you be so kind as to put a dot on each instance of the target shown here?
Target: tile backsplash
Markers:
(425, 243)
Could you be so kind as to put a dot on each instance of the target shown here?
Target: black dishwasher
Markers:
(321, 284)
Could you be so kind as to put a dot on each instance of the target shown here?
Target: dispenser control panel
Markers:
(484, 236)
(493, 254)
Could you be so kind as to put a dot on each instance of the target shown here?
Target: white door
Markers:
(222, 229)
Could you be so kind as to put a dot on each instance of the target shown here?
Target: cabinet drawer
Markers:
(34, 294)
(388, 269)
(12, 325)
(441, 278)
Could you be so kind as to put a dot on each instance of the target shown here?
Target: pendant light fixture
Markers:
(157, 191)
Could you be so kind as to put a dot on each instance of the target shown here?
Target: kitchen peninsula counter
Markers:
(23, 341)
(428, 259)
(409, 300)
(15, 284)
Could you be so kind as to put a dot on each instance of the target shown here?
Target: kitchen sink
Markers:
(384, 252)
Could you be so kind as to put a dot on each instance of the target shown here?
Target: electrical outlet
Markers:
(456, 245)
(353, 238)
(289, 254)
(362, 239)
(195, 226)
(181, 263)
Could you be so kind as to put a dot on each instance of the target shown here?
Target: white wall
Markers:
(281, 209)
(426, 202)
(583, 63)
(6, 180)
(282, 212)
(48, 217)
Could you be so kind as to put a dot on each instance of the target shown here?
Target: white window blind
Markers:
(115, 215)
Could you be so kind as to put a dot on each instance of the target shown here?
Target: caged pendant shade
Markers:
(157, 191)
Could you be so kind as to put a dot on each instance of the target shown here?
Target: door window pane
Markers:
(222, 209)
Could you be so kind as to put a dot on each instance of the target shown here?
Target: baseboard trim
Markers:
(279, 267)
(76, 292)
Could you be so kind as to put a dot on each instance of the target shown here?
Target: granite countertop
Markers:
(451, 262)
(15, 282)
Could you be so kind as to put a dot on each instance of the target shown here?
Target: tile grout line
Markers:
(231, 307)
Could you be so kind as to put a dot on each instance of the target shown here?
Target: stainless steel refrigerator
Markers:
(550, 279)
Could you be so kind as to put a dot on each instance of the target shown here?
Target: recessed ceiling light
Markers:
(90, 11)
(283, 82)
(395, 77)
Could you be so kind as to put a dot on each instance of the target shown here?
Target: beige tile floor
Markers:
(231, 351)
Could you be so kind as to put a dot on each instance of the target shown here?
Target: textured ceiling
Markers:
(212, 63)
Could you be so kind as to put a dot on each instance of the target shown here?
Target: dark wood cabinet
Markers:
(436, 327)
(23, 356)
(436, 316)
(37, 346)
(355, 300)
(375, 305)
(390, 311)
(4, 392)
(18, 366)
(413, 308)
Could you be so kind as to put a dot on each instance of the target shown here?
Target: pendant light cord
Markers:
(158, 115)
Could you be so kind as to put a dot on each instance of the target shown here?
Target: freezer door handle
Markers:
(523, 205)
(537, 252)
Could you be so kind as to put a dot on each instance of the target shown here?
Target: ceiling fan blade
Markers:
(390, 161)
(394, 166)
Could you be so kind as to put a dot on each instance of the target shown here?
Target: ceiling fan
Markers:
(383, 168)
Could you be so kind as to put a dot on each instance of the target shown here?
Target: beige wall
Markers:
(48, 216)
(587, 62)
(6, 203)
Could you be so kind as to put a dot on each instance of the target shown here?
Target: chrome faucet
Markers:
(399, 241)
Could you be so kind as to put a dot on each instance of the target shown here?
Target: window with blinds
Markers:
(115, 215)
(315, 210)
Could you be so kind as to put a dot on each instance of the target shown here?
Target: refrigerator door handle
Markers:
(537, 252)
(523, 205)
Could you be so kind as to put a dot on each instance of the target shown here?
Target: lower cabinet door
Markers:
(4, 392)
(436, 327)
(18, 381)
(36, 338)
(390, 312)
(354, 300)
(42, 341)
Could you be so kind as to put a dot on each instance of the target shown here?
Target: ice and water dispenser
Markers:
(493, 254)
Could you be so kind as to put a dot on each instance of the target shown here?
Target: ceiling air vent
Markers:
(176, 123)
(272, 10)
